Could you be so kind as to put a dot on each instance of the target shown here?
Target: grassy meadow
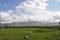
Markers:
(37, 33)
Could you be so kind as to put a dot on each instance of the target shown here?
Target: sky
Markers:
(29, 10)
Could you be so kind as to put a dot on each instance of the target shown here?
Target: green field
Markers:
(37, 33)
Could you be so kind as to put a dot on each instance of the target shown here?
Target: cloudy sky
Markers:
(29, 10)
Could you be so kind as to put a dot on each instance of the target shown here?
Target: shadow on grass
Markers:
(41, 31)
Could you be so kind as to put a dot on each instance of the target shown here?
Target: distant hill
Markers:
(30, 23)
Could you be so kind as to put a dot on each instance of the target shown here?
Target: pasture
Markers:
(37, 33)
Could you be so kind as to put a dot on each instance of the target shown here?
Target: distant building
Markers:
(59, 22)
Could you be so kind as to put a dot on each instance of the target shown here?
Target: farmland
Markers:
(37, 33)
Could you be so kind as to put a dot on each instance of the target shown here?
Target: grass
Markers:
(37, 33)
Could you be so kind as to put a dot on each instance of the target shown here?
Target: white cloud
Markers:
(5, 16)
(37, 8)
(30, 4)
(30, 10)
